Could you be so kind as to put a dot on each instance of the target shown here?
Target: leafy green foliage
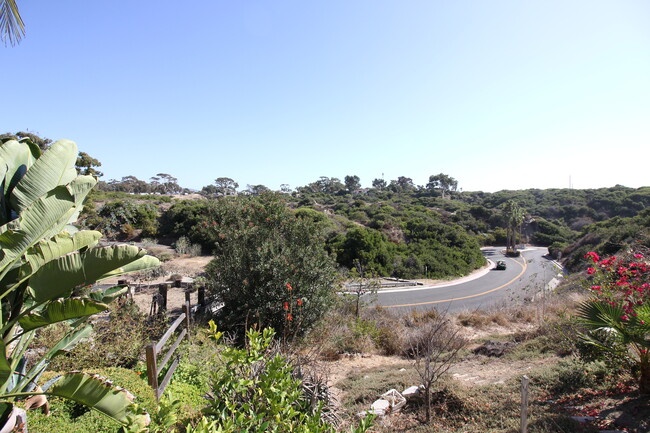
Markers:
(255, 391)
(40, 263)
(118, 218)
(617, 317)
(270, 267)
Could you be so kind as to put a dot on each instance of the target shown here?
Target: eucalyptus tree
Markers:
(352, 183)
(226, 186)
(379, 184)
(443, 183)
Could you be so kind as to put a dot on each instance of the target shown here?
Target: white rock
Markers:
(380, 407)
(411, 392)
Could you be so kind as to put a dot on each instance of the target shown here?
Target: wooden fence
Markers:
(156, 361)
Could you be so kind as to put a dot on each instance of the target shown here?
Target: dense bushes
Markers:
(256, 390)
(120, 219)
(270, 267)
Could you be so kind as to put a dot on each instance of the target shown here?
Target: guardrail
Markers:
(155, 362)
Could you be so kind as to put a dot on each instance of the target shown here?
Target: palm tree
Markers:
(513, 215)
(620, 334)
(12, 28)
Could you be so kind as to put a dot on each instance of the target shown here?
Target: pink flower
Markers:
(595, 288)
(638, 256)
(289, 288)
(594, 257)
(625, 318)
(591, 270)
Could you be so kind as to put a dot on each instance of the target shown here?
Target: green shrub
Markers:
(120, 218)
(270, 267)
(255, 391)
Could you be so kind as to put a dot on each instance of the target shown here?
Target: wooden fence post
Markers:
(186, 310)
(162, 289)
(152, 367)
(524, 404)
(201, 297)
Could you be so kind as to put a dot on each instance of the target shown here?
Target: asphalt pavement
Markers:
(523, 278)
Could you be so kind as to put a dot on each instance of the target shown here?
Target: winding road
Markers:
(523, 278)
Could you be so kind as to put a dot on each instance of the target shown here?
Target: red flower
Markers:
(289, 288)
(591, 270)
(299, 302)
(594, 257)
(289, 317)
(595, 287)
(286, 306)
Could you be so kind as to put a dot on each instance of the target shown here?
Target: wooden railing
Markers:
(156, 361)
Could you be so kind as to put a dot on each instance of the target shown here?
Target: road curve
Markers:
(524, 276)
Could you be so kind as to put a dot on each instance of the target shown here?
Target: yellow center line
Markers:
(523, 269)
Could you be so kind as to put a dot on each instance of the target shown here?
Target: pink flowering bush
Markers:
(618, 314)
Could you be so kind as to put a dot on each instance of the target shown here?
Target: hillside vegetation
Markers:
(400, 230)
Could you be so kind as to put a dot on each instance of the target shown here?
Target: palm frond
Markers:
(12, 28)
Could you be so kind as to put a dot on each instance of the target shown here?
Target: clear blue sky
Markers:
(498, 94)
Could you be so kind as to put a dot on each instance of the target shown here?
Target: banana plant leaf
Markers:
(94, 392)
(42, 220)
(141, 264)
(54, 168)
(60, 310)
(18, 157)
(50, 249)
(107, 296)
(15, 159)
(57, 278)
(5, 366)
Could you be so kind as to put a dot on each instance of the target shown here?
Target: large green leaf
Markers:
(141, 264)
(17, 158)
(57, 279)
(42, 219)
(95, 392)
(5, 367)
(54, 168)
(108, 295)
(60, 310)
(58, 246)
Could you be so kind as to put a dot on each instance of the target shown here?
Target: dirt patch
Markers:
(340, 369)
(480, 370)
(187, 266)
